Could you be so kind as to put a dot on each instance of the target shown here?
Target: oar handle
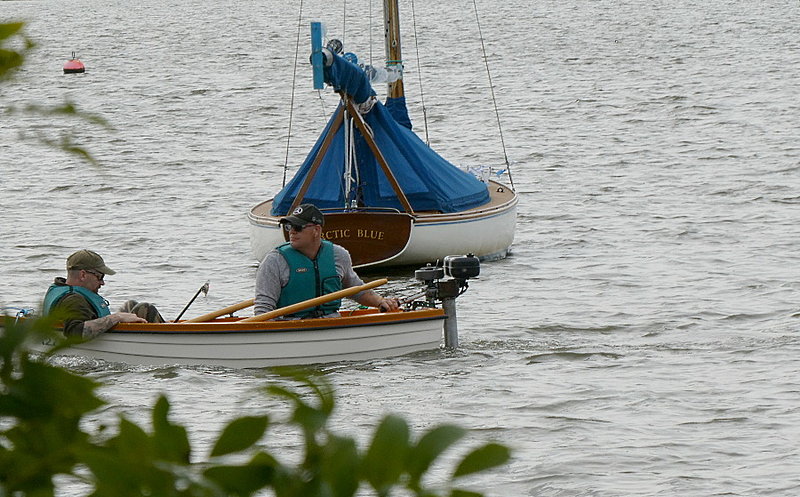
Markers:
(289, 309)
(222, 312)
(203, 288)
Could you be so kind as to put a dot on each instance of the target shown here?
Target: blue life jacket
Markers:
(57, 292)
(309, 279)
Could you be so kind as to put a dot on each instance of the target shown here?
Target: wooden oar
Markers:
(289, 309)
(222, 312)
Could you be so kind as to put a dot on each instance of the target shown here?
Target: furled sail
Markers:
(429, 182)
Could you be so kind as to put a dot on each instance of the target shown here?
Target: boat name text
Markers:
(348, 233)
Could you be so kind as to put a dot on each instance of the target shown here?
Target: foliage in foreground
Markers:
(12, 59)
(45, 432)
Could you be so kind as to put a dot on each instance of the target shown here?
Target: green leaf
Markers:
(45, 391)
(243, 480)
(170, 441)
(456, 492)
(161, 413)
(8, 30)
(108, 467)
(81, 152)
(483, 458)
(304, 414)
(240, 434)
(385, 459)
(340, 465)
(430, 447)
(11, 339)
(11, 60)
(136, 442)
(307, 415)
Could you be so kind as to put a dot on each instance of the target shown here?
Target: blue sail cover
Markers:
(398, 110)
(429, 182)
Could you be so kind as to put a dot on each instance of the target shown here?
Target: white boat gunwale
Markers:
(425, 217)
(229, 325)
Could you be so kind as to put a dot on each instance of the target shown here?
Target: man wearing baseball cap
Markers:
(86, 313)
(307, 267)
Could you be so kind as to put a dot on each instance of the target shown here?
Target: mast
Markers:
(391, 20)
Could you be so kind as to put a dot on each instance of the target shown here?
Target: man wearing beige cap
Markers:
(86, 313)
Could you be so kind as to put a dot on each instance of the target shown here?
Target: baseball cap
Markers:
(86, 259)
(304, 214)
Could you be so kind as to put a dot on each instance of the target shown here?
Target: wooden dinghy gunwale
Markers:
(352, 319)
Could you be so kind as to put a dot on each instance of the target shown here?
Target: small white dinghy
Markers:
(256, 341)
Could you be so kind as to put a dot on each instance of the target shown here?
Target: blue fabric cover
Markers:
(398, 110)
(345, 76)
(429, 182)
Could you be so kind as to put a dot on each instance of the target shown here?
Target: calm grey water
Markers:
(643, 337)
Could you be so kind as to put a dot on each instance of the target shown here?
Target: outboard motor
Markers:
(430, 276)
(458, 269)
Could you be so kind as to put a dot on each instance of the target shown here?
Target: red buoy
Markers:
(74, 65)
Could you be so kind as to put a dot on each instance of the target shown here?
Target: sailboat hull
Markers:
(380, 239)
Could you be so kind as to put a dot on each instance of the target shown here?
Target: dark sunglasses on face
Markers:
(297, 228)
(96, 274)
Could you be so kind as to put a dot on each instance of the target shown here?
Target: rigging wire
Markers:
(352, 176)
(419, 75)
(322, 103)
(347, 177)
(294, 86)
(370, 32)
(491, 88)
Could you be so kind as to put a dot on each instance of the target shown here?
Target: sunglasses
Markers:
(297, 228)
(96, 274)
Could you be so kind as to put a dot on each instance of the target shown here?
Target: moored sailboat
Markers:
(387, 197)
